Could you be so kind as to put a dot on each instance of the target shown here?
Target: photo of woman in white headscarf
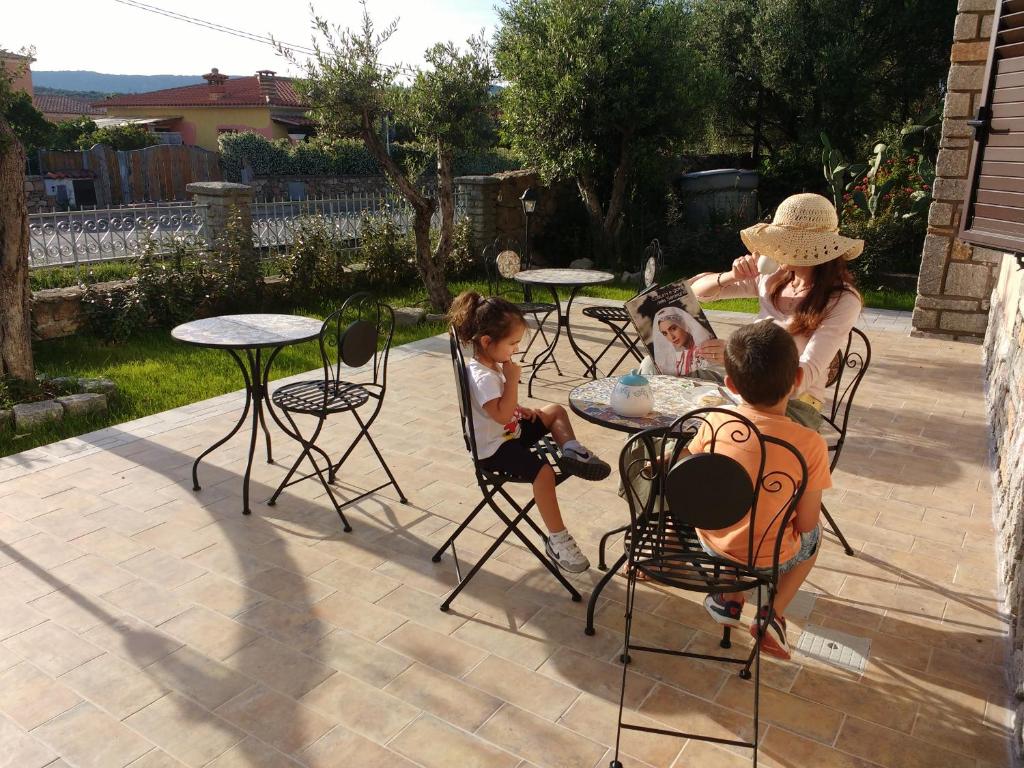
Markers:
(676, 337)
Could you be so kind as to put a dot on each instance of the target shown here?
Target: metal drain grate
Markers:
(833, 647)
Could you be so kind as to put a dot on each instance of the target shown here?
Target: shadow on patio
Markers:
(145, 624)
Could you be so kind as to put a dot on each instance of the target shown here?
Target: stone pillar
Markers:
(224, 200)
(480, 199)
(956, 279)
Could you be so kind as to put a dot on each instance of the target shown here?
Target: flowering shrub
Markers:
(887, 207)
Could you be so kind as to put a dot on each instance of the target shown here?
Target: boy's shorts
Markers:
(515, 458)
(809, 542)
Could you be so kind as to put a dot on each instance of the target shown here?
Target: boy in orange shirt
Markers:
(763, 367)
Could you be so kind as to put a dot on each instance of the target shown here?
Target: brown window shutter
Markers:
(994, 206)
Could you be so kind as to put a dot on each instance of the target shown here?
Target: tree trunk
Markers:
(430, 268)
(15, 312)
(606, 223)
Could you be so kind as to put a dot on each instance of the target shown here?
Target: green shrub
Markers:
(388, 254)
(892, 244)
(343, 157)
(85, 274)
(317, 263)
(173, 287)
(462, 259)
(114, 313)
(234, 271)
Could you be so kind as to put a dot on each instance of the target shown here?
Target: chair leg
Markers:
(542, 556)
(834, 529)
(604, 541)
(462, 526)
(387, 469)
(630, 590)
(596, 593)
(543, 334)
(446, 604)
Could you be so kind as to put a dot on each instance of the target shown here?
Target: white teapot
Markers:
(632, 395)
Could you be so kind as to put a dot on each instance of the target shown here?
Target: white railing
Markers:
(73, 238)
(276, 222)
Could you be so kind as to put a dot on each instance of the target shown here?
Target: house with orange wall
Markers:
(262, 103)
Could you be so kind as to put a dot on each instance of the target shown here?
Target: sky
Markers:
(110, 37)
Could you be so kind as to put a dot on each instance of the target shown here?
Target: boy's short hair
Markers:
(762, 360)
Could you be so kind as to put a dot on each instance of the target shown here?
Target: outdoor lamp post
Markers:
(529, 201)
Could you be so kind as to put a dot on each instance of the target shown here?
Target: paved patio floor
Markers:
(143, 624)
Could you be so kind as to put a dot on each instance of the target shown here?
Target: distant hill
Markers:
(67, 80)
(89, 96)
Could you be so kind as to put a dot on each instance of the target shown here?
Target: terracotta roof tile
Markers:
(237, 92)
(57, 104)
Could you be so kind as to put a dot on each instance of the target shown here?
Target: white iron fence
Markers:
(275, 223)
(76, 238)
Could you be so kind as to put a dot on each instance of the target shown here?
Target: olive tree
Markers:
(15, 316)
(445, 107)
(595, 86)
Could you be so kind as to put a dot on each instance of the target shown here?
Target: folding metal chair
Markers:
(670, 495)
(502, 262)
(847, 371)
(349, 339)
(492, 486)
(618, 320)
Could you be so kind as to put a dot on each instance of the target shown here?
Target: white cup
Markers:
(766, 265)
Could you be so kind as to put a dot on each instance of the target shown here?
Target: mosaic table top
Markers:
(564, 276)
(248, 331)
(673, 397)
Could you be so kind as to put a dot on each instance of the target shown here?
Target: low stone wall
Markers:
(279, 187)
(35, 195)
(57, 312)
(1004, 361)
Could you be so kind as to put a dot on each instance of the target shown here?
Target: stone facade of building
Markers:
(956, 279)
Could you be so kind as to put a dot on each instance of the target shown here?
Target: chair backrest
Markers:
(502, 261)
(654, 262)
(357, 334)
(462, 393)
(712, 490)
(843, 382)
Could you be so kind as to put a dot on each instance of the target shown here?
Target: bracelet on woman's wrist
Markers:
(718, 279)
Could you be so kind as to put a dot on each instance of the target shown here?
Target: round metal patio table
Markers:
(673, 396)
(553, 279)
(250, 335)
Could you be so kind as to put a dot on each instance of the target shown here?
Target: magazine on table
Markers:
(672, 326)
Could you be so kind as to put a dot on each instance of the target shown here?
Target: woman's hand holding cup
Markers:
(744, 268)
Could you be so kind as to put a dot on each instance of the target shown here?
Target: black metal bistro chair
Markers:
(618, 320)
(492, 485)
(502, 262)
(848, 370)
(669, 495)
(349, 340)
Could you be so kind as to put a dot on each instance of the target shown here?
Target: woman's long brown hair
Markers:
(829, 281)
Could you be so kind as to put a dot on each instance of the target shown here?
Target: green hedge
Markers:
(341, 157)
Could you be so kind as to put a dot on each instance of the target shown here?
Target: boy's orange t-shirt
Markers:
(733, 542)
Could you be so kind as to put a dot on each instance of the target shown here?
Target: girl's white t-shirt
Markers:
(486, 384)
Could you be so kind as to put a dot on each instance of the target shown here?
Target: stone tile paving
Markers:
(146, 625)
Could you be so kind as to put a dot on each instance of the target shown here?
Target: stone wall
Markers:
(35, 195)
(956, 279)
(1004, 361)
(57, 312)
(279, 187)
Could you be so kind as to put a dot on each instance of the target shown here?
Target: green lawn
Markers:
(155, 373)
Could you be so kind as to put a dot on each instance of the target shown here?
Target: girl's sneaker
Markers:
(774, 642)
(565, 552)
(724, 611)
(583, 463)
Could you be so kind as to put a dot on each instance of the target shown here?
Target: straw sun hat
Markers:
(803, 233)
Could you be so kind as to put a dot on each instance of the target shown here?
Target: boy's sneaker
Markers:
(724, 611)
(565, 552)
(774, 642)
(583, 463)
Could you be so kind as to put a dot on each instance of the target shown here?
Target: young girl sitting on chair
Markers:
(504, 430)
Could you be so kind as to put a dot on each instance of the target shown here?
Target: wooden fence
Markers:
(154, 174)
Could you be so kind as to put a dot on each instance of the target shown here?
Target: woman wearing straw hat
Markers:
(810, 292)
